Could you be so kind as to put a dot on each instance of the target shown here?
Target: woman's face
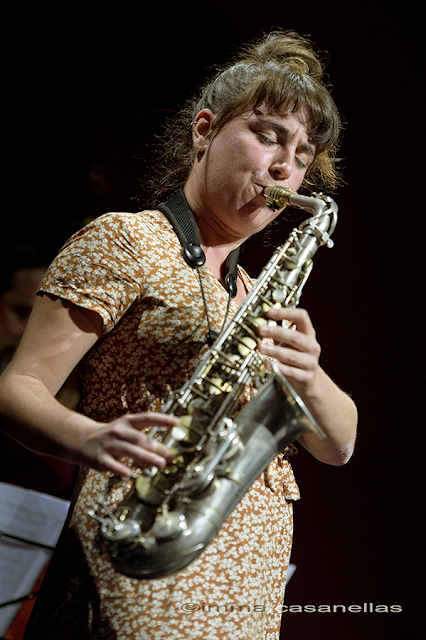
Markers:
(256, 149)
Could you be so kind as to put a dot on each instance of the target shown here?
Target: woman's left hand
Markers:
(296, 350)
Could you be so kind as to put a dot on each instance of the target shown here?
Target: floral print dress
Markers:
(129, 269)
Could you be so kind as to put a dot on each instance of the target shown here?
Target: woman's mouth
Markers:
(259, 188)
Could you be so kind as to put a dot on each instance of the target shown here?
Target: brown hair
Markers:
(281, 71)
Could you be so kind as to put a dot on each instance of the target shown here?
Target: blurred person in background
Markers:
(21, 272)
(20, 278)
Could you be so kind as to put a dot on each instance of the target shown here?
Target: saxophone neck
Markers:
(324, 218)
(323, 210)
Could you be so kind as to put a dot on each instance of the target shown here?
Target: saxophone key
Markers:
(178, 433)
(246, 345)
(269, 305)
(169, 525)
(279, 295)
(126, 531)
(215, 387)
(185, 432)
(258, 321)
(198, 477)
(231, 363)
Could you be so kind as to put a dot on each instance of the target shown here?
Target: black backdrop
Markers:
(86, 84)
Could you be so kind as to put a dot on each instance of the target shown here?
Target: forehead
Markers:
(284, 117)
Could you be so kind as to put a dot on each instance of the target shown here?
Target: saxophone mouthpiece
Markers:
(277, 197)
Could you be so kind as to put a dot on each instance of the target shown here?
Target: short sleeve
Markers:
(100, 268)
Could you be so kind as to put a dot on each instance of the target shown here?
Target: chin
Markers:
(255, 221)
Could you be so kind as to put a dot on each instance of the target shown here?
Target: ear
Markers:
(201, 128)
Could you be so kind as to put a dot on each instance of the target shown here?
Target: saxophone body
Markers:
(169, 516)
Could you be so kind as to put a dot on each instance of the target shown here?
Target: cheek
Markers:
(295, 182)
(236, 153)
(221, 166)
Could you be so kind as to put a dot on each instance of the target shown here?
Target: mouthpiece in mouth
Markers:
(277, 197)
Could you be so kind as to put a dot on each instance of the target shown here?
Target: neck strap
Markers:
(180, 216)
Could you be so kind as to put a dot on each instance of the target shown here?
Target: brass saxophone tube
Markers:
(279, 197)
(168, 517)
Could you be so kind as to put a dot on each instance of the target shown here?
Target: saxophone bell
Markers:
(263, 428)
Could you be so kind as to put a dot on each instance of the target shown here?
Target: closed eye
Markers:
(267, 140)
(270, 143)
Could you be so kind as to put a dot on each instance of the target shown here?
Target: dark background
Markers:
(86, 85)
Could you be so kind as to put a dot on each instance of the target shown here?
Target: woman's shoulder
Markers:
(143, 225)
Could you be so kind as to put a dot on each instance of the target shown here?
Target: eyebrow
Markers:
(279, 128)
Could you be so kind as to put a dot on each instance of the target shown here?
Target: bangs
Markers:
(283, 88)
(298, 93)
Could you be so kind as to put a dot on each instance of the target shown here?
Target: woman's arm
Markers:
(57, 336)
(297, 352)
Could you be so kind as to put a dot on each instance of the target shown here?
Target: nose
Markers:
(282, 166)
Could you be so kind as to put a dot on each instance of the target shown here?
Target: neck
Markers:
(215, 260)
(216, 243)
(215, 240)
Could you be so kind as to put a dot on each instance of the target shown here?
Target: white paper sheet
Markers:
(291, 569)
(35, 517)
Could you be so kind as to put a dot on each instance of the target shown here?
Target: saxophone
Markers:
(169, 516)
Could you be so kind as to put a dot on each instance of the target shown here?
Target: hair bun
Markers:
(284, 48)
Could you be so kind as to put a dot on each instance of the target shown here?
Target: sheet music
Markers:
(291, 569)
(35, 517)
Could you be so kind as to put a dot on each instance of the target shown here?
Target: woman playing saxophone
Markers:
(121, 304)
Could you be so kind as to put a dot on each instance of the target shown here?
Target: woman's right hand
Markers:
(102, 445)
(56, 338)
